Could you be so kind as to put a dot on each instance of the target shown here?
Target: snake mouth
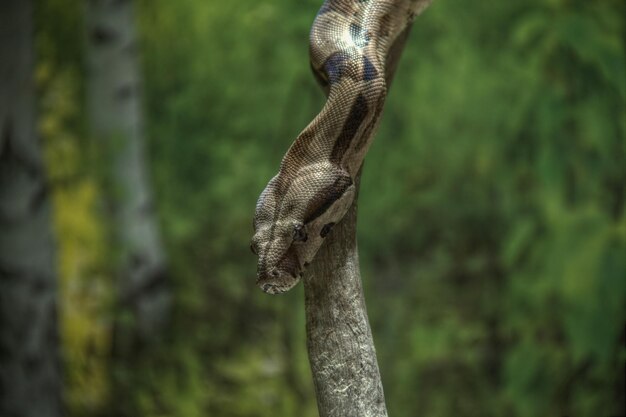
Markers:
(274, 289)
(282, 276)
(277, 283)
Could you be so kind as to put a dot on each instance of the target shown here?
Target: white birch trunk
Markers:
(30, 376)
(114, 101)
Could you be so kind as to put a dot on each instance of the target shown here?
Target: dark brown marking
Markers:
(326, 197)
(355, 119)
(369, 70)
(368, 131)
(337, 66)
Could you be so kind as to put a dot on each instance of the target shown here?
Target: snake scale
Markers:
(354, 47)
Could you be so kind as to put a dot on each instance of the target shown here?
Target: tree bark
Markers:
(113, 95)
(339, 340)
(30, 375)
(138, 258)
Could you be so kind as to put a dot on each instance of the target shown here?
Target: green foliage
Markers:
(492, 223)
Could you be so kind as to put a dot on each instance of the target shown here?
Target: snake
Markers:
(354, 46)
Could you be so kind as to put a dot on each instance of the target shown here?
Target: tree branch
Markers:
(341, 350)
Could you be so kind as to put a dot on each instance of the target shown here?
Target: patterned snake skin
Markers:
(354, 47)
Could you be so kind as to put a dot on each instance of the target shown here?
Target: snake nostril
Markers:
(266, 287)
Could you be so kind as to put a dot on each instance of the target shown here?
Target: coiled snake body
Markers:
(354, 46)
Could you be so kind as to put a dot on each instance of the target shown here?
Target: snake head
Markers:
(293, 216)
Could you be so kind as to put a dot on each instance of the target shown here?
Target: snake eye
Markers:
(253, 248)
(299, 234)
(326, 229)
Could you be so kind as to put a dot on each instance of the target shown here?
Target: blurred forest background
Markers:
(492, 223)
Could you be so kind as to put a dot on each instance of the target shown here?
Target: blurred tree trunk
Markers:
(114, 100)
(30, 375)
